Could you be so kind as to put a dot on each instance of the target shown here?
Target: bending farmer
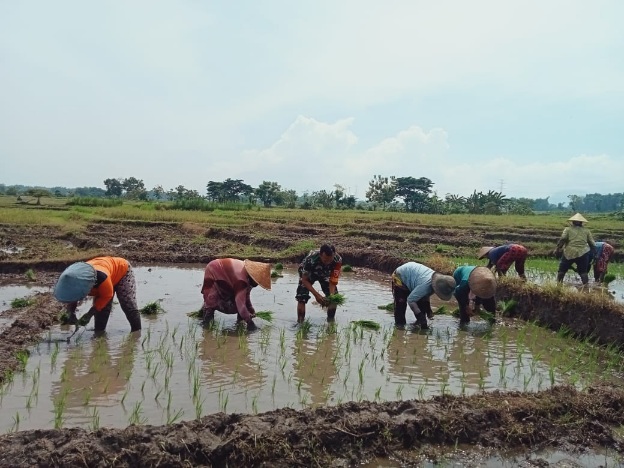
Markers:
(413, 284)
(476, 284)
(102, 278)
(227, 288)
(323, 265)
(604, 251)
(502, 257)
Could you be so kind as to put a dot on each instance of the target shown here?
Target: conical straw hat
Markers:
(483, 251)
(75, 282)
(578, 217)
(482, 282)
(443, 286)
(260, 273)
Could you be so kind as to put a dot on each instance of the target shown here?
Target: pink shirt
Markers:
(229, 277)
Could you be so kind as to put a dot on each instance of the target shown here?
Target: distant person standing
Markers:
(603, 254)
(502, 257)
(578, 246)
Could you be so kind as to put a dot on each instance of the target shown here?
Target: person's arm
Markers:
(319, 298)
(242, 299)
(591, 243)
(562, 241)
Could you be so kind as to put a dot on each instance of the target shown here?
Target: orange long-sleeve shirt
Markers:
(115, 268)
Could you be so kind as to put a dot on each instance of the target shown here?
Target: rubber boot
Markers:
(560, 276)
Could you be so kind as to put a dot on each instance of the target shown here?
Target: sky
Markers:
(526, 96)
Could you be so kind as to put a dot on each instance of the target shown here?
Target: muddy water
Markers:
(174, 369)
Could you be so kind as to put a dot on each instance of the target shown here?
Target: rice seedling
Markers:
(172, 418)
(609, 277)
(16, 422)
(136, 415)
(265, 315)
(276, 274)
(278, 267)
(30, 275)
(19, 303)
(371, 325)
(347, 269)
(197, 314)
(507, 307)
(389, 307)
(95, 420)
(22, 357)
(337, 299)
(304, 329)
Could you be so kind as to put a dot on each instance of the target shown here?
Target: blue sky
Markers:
(527, 94)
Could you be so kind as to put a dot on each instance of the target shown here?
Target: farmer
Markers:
(476, 284)
(604, 251)
(227, 288)
(503, 256)
(323, 265)
(578, 247)
(413, 284)
(102, 278)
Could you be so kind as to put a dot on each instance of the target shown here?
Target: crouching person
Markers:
(413, 284)
(227, 288)
(102, 278)
(476, 284)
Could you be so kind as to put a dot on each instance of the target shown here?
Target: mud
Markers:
(345, 435)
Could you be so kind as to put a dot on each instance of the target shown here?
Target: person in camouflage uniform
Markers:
(323, 265)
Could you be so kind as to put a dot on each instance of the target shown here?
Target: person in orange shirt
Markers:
(101, 278)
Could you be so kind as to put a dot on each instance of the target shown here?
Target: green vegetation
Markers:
(389, 307)
(30, 275)
(347, 268)
(370, 324)
(265, 315)
(19, 303)
(152, 308)
(337, 299)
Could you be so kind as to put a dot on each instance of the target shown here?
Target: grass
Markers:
(389, 307)
(609, 277)
(20, 303)
(152, 308)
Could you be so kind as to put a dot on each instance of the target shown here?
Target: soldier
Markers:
(323, 265)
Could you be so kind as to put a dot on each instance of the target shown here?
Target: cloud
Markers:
(313, 155)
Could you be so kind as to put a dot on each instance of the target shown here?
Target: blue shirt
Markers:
(496, 253)
(461, 276)
(599, 248)
(416, 278)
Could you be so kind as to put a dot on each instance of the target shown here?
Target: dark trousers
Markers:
(400, 304)
(463, 299)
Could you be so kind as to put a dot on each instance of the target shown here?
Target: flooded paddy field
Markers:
(176, 370)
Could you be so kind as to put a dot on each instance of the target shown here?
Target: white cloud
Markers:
(313, 155)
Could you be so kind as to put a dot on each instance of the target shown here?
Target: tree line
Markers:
(388, 193)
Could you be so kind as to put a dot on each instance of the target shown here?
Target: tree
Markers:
(135, 188)
(381, 190)
(233, 189)
(267, 192)
(214, 191)
(38, 193)
(114, 187)
(455, 204)
(159, 192)
(323, 198)
(415, 193)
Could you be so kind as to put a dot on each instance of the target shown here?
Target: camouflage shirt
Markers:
(317, 271)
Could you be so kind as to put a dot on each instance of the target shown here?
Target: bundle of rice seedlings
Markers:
(197, 314)
(442, 310)
(337, 299)
(389, 307)
(347, 269)
(485, 315)
(507, 307)
(276, 274)
(265, 315)
(366, 324)
(152, 308)
(278, 267)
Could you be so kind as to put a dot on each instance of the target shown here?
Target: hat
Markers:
(443, 285)
(578, 217)
(483, 251)
(482, 282)
(260, 273)
(75, 282)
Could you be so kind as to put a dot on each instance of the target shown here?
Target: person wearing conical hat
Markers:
(101, 278)
(227, 288)
(502, 257)
(474, 283)
(323, 265)
(413, 284)
(577, 246)
(600, 260)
